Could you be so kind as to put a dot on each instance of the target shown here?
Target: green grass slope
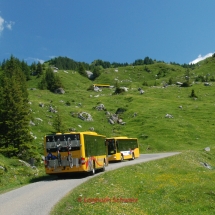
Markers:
(181, 184)
(190, 128)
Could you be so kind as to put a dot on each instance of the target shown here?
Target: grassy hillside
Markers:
(190, 128)
(181, 184)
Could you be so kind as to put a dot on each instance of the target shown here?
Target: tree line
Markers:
(15, 137)
(69, 64)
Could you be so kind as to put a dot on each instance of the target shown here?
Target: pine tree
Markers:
(39, 69)
(193, 95)
(15, 138)
(26, 70)
(58, 124)
(33, 68)
(96, 72)
(50, 81)
(81, 70)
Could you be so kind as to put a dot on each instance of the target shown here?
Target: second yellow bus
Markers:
(122, 148)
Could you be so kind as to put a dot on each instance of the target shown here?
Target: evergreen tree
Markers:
(33, 68)
(3, 64)
(193, 95)
(50, 81)
(42, 85)
(170, 81)
(58, 124)
(39, 69)
(15, 138)
(81, 70)
(26, 70)
(148, 60)
(57, 82)
(96, 72)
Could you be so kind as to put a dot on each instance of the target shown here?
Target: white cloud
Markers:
(200, 57)
(1, 24)
(6, 24)
(31, 60)
(52, 56)
(9, 25)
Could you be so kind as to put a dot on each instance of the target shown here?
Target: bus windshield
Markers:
(111, 146)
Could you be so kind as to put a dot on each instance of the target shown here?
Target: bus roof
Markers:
(121, 138)
(101, 85)
(76, 132)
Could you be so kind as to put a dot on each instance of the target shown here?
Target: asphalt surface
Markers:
(38, 198)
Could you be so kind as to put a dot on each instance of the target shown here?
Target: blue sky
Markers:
(120, 31)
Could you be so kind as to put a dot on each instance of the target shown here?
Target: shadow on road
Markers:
(60, 177)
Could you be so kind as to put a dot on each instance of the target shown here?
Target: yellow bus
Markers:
(102, 85)
(122, 148)
(74, 152)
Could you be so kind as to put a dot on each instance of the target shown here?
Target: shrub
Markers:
(193, 95)
(186, 84)
(119, 90)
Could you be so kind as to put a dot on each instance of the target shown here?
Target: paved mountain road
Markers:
(38, 198)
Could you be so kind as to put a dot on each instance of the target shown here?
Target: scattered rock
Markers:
(100, 107)
(60, 91)
(41, 104)
(1, 167)
(206, 165)
(168, 116)
(72, 129)
(25, 163)
(32, 123)
(91, 129)
(85, 116)
(142, 91)
(206, 84)
(111, 121)
(207, 149)
(39, 119)
(51, 109)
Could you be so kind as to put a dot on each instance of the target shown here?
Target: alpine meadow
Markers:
(169, 107)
